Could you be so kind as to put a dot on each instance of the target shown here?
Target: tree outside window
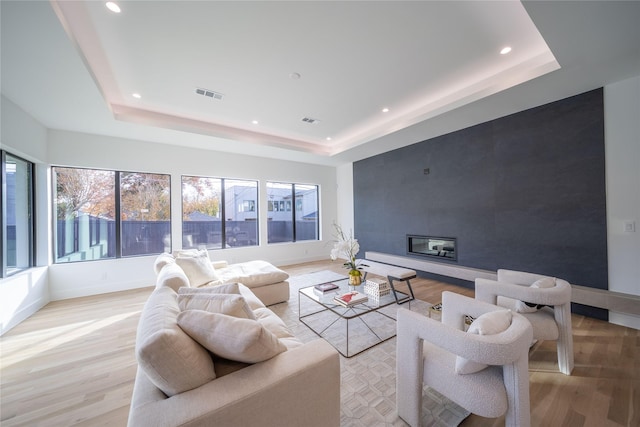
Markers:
(145, 211)
(93, 223)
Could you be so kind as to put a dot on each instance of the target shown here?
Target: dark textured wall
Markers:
(524, 192)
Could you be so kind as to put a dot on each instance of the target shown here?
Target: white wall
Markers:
(622, 145)
(77, 149)
(26, 292)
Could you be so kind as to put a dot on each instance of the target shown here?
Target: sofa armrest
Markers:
(298, 387)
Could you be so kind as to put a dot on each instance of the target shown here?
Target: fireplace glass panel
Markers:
(437, 247)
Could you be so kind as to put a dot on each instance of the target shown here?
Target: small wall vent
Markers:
(209, 93)
(310, 120)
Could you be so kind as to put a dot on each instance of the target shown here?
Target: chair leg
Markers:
(516, 382)
(408, 375)
(565, 356)
(565, 339)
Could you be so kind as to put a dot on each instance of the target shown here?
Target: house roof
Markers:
(305, 71)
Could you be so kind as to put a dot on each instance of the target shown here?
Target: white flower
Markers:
(345, 247)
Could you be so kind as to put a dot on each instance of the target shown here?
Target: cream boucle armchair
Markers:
(428, 353)
(551, 316)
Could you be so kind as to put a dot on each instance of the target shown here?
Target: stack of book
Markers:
(377, 288)
(350, 299)
(324, 288)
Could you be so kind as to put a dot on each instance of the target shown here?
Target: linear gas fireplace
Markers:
(432, 247)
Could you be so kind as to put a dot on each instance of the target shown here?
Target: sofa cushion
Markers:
(226, 288)
(229, 304)
(172, 276)
(490, 323)
(197, 266)
(252, 273)
(170, 358)
(242, 340)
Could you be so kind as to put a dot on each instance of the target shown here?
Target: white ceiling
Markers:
(435, 65)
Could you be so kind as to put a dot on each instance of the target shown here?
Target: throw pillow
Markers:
(241, 340)
(529, 307)
(230, 304)
(226, 288)
(172, 360)
(197, 266)
(273, 323)
(490, 323)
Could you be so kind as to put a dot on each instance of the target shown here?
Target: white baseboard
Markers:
(61, 294)
(22, 314)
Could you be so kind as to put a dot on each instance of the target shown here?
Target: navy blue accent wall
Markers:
(523, 192)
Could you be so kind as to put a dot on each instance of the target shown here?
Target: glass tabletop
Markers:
(326, 299)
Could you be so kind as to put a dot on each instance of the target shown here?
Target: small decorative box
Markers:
(376, 288)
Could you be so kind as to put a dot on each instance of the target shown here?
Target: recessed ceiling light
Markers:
(328, 138)
(255, 122)
(505, 50)
(385, 110)
(112, 7)
(136, 95)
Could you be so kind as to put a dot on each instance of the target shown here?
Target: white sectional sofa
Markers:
(217, 356)
(266, 281)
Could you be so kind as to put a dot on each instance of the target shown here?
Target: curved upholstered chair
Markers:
(547, 308)
(431, 353)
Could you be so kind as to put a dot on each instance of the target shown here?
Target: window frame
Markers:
(118, 249)
(31, 208)
(294, 205)
(223, 209)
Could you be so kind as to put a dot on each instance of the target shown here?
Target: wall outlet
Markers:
(629, 226)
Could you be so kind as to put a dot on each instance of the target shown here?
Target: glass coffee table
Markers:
(351, 330)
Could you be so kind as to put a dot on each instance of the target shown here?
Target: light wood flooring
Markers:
(73, 363)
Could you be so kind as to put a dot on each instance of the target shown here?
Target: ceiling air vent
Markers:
(209, 93)
(310, 120)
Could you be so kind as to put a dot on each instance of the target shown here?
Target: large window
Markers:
(219, 213)
(109, 214)
(289, 224)
(17, 231)
(145, 210)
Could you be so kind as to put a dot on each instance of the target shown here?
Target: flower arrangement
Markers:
(347, 247)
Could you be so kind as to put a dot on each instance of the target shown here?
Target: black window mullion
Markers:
(32, 215)
(293, 210)
(118, 222)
